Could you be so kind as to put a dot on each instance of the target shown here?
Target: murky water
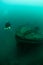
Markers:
(18, 15)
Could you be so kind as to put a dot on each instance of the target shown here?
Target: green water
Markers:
(18, 15)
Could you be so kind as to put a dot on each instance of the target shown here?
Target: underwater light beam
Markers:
(25, 2)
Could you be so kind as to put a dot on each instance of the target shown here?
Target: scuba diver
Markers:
(7, 25)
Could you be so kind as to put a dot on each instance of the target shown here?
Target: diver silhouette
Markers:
(7, 25)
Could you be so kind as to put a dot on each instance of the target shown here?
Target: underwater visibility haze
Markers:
(12, 17)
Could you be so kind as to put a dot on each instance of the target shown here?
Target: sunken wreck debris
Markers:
(28, 38)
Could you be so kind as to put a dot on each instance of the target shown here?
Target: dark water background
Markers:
(17, 15)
